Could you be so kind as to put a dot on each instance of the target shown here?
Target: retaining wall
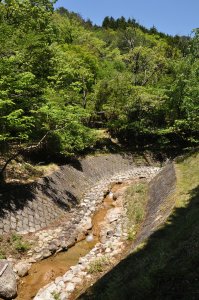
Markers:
(30, 207)
(159, 207)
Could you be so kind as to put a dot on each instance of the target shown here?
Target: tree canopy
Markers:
(58, 72)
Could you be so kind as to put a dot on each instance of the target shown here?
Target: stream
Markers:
(45, 271)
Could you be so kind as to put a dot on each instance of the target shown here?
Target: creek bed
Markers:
(47, 270)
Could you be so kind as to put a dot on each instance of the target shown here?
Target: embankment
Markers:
(31, 207)
(119, 282)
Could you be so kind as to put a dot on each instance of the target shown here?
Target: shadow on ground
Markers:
(15, 196)
(167, 267)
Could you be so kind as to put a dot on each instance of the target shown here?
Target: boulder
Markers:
(52, 247)
(46, 253)
(86, 225)
(114, 214)
(22, 268)
(70, 287)
(119, 193)
(8, 282)
(89, 238)
(110, 195)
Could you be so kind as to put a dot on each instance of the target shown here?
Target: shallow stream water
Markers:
(45, 271)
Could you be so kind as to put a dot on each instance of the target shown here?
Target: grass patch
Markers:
(14, 245)
(98, 265)
(136, 200)
(166, 266)
(19, 244)
(56, 295)
(2, 254)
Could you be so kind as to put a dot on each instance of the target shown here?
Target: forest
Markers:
(63, 78)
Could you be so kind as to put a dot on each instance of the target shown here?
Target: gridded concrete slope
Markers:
(159, 206)
(27, 208)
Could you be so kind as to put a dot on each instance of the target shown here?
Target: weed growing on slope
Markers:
(98, 265)
(136, 200)
(14, 245)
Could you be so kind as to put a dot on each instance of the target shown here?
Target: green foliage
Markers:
(57, 72)
(68, 134)
(15, 237)
(164, 262)
(136, 200)
(20, 245)
(98, 265)
(2, 254)
(56, 295)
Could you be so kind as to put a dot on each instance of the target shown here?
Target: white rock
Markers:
(87, 224)
(64, 296)
(58, 279)
(70, 287)
(82, 273)
(75, 269)
(115, 252)
(82, 260)
(22, 268)
(52, 287)
(110, 195)
(108, 250)
(61, 284)
(114, 214)
(68, 277)
(77, 280)
(89, 238)
(46, 293)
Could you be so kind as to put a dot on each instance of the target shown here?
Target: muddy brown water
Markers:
(45, 271)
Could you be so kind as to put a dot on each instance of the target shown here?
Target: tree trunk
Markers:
(3, 169)
(20, 151)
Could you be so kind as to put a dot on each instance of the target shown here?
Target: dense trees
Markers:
(57, 72)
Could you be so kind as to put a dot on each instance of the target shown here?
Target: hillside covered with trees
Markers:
(61, 78)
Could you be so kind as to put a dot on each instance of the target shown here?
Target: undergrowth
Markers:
(14, 245)
(56, 296)
(98, 265)
(136, 200)
(20, 171)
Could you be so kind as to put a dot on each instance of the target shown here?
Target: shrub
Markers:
(98, 265)
(2, 254)
(19, 244)
(22, 246)
(56, 295)
(136, 200)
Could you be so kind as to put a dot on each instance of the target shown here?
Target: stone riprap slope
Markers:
(31, 207)
(79, 220)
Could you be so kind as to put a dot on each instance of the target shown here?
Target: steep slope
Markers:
(166, 267)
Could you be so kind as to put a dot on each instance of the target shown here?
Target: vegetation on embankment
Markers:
(166, 267)
(13, 245)
(135, 202)
(140, 84)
